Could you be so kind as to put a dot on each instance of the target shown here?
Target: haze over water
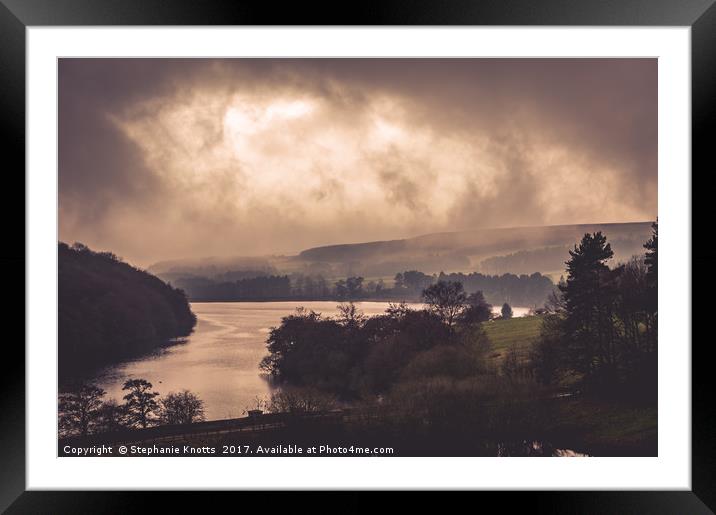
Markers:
(219, 362)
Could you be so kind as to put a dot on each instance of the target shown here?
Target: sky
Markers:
(182, 158)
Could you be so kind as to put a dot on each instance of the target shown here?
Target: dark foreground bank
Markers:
(572, 427)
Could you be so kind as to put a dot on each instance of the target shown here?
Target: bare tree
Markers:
(139, 402)
(79, 408)
(300, 400)
(183, 407)
(110, 417)
(555, 301)
(446, 299)
(350, 316)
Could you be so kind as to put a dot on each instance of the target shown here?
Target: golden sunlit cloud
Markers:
(275, 166)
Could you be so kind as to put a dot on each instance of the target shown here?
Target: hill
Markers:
(109, 310)
(495, 251)
(467, 250)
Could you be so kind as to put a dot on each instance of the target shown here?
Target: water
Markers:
(517, 312)
(219, 361)
(535, 448)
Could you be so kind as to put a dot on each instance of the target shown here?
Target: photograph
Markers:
(357, 257)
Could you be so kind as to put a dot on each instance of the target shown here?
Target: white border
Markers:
(670, 470)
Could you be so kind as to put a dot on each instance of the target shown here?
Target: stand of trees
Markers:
(109, 310)
(524, 290)
(272, 287)
(352, 355)
(518, 290)
(425, 376)
(82, 410)
(603, 325)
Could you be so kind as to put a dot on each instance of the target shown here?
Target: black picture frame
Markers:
(17, 15)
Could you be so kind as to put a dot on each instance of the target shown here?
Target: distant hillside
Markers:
(456, 251)
(109, 310)
(550, 260)
(540, 249)
(213, 266)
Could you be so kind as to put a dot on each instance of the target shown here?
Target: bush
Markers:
(448, 361)
(483, 407)
(300, 400)
(547, 355)
(181, 408)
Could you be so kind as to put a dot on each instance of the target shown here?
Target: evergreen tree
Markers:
(651, 260)
(588, 299)
(652, 279)
(506, 311)
(477, 309)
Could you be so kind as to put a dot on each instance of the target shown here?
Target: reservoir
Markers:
(220, 360)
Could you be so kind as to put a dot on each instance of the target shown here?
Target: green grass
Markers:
(520, 332)
(610, 428)
(598, 426)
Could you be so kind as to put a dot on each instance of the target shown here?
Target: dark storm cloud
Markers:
(187, 157)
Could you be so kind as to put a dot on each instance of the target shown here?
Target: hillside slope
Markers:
(464, 250)
(495, 251)
(109, 310)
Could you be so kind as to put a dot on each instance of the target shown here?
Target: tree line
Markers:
(109, 310)
(522, 290)
(270, 287)
(518, 290)
(83, 411)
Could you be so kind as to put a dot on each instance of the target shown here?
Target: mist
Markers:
(183, 158)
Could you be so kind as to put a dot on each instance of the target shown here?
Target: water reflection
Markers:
(219, 361)
(534, 448)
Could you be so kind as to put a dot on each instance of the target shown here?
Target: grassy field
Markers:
(608, 428)
(520, 332)
(600, 427)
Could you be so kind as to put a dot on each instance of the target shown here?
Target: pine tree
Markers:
(588, 304)
(652, 280)
(651, 260)
(506, 311)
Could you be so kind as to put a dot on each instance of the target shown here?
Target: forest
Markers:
(518, 290)
(109, 310)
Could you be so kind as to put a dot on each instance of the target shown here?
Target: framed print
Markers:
(413, 253)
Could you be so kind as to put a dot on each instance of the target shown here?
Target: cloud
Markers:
(174, 158)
